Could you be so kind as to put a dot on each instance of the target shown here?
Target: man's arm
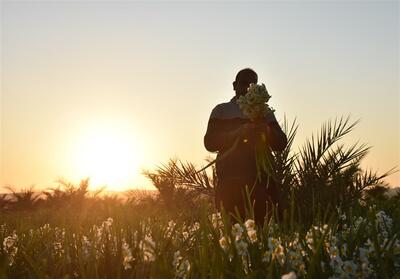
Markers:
(216, 138)
(275, 136)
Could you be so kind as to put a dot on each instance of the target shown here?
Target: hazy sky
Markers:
(104, 89)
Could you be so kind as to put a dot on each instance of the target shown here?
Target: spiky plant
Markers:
(322, 177)
(377, 192)
(164, 182)
(185, 175)
(23, 199)
(180, 183)
(325, 174)
(4, 202)
(68, 193)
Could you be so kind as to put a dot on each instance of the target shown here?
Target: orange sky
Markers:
(105, 89)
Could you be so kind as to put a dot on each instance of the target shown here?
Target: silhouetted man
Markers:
(226, 125)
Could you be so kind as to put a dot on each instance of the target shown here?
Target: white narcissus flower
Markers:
(241, 248)
(273, 243)
(252, 235)
(108, 223)
(127, 255)
(223, 242)
(250, 224)
(9, 241)
(58, 249)
(333, 252)
(182, 267)
(86, 246)
(171, 224)
(216, 220)
(290, 275)
(10, 246)
(177, 258)
(195, 227)
(185, 235)
(148, 248)
(254, 103)
(279, 254)
(370, 247)
(349, 267)
(384, 223)
(170, 228)
(237, 231)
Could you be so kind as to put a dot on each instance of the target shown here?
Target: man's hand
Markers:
(264, 128)
(272, 134)
(246, 132)
(246, 129)
(254, 132)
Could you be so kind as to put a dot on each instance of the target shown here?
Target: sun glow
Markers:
(109, 157)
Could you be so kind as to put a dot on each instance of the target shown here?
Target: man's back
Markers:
(233, 136)
(240, 161)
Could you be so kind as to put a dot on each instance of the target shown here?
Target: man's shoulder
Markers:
(231, 110)
(226, 110)
(223, 106)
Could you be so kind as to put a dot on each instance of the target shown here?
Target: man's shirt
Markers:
(240, 162)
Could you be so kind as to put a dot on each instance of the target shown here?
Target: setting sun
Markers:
(108, 157)
(192, 139)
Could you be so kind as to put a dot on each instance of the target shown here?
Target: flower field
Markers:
(333, 220)
(199, 246)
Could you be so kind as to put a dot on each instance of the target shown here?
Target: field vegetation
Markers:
(334, 220)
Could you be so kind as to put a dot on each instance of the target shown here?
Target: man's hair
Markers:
(246, 73)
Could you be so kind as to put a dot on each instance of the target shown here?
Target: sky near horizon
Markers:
(107, 89)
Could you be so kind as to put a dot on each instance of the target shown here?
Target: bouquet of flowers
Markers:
(254, 105)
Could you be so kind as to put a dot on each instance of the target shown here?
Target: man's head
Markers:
(243, 79)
